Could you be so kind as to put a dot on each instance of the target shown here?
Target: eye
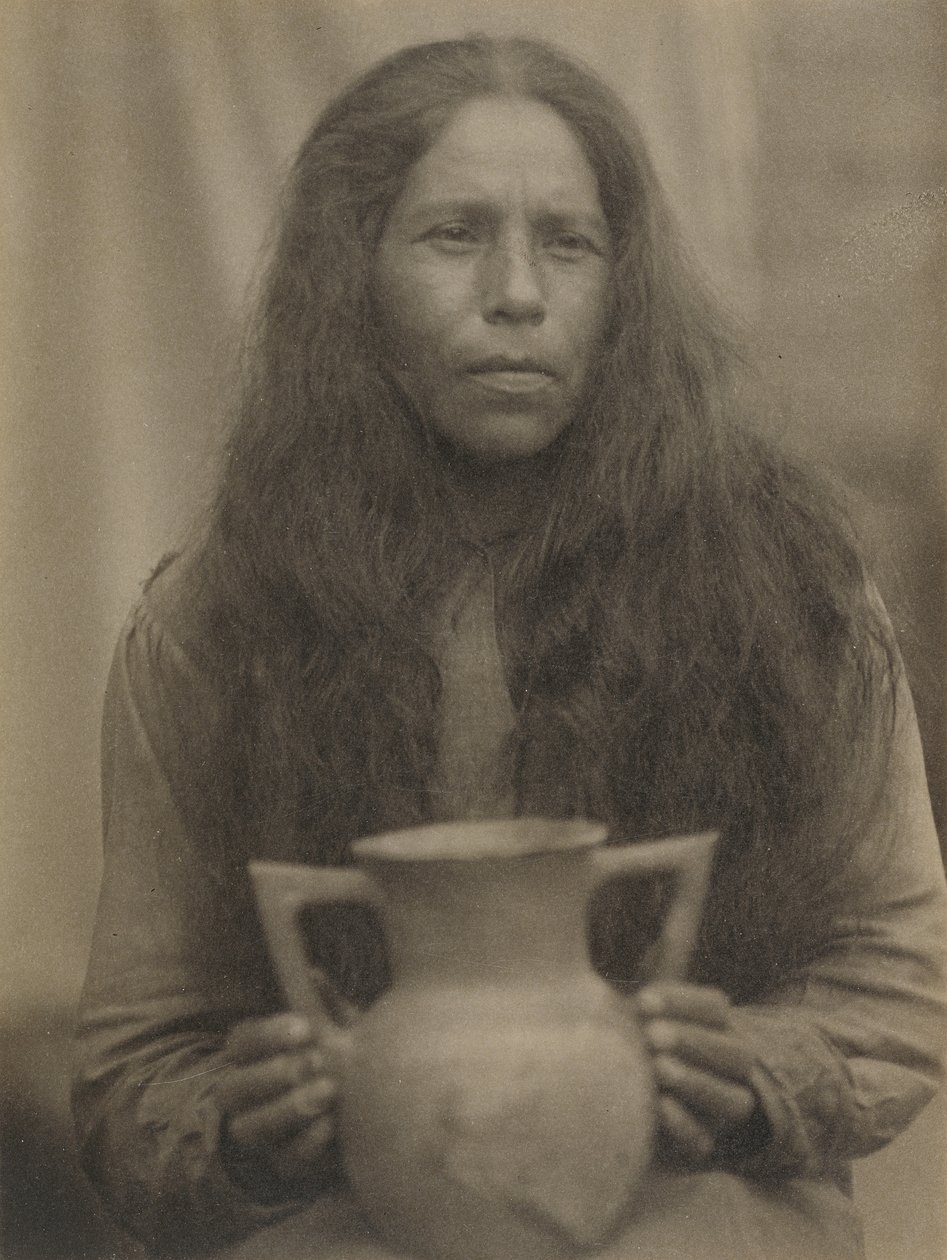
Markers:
(570, 245)
(456, 237)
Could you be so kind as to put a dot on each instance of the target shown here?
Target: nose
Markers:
(513, 289)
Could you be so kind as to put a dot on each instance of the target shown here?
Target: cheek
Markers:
(422, 324)
(595, 303)
(598, 318)
(581, 300)
(412, 315)
(584, 323)
(414, 349)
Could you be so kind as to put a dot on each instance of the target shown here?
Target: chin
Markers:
(504, 438)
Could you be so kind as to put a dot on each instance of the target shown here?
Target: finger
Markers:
(255, 1039)
(720, 1052)
(684, 1136)
(340, 1009)
(247, 1087)
(671, 999)
(301, 1153)
(724, 1103)
(284, 1116)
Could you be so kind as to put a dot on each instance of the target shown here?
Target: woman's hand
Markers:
(277, 1103)
(701, 1067)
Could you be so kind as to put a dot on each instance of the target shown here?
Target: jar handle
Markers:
(283, 890)
(689, 858)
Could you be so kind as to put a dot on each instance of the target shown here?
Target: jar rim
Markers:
(481, 838)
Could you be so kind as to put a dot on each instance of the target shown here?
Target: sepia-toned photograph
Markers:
(473, 649)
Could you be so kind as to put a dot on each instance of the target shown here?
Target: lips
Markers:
(504, 364)
(518, 384)
(512, 377)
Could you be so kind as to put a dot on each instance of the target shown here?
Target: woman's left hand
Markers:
(701, 1067)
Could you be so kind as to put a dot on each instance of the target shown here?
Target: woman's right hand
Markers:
(277, 1102)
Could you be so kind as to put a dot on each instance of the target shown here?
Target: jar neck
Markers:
(488, 922)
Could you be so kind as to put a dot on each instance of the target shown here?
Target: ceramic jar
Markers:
(497, 1101)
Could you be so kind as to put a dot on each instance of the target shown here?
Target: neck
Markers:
(493, 501)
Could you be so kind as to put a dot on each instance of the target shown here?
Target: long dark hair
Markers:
(693, 641)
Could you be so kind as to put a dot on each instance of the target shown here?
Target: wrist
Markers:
(252, 1171)
(741, 1145)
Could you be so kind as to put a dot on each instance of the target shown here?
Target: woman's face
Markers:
(493, 274)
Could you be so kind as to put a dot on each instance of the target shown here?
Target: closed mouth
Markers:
(519, 383)
(512, 377)
(507, 365)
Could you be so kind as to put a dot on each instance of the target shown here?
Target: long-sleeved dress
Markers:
(845, 1057)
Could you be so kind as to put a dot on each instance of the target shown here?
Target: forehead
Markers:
(498, 148)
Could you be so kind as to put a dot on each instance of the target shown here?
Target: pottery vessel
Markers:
(497, 1101)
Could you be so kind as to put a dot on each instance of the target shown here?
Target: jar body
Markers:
(506, 1122)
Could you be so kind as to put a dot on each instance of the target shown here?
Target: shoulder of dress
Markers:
(173, 604)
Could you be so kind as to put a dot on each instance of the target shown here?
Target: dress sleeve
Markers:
(848, 1057)
(176, 959)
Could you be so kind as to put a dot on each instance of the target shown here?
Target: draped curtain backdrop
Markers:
(143, 142)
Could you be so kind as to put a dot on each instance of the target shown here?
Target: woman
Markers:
(492, 538)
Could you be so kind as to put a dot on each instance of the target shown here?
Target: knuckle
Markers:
(283, 1032)
(290, 1070)
(747, 1104)
(297, 1069)
(238, 1131)
(270, 1076)
(667, 1069)
(662, 1034)
(315, 1062)
(674, 1117)
(256, 1038)
(745, 1063)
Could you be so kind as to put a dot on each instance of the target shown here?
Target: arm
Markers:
(845, 1063)
(841, 1061)
(177, 960)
